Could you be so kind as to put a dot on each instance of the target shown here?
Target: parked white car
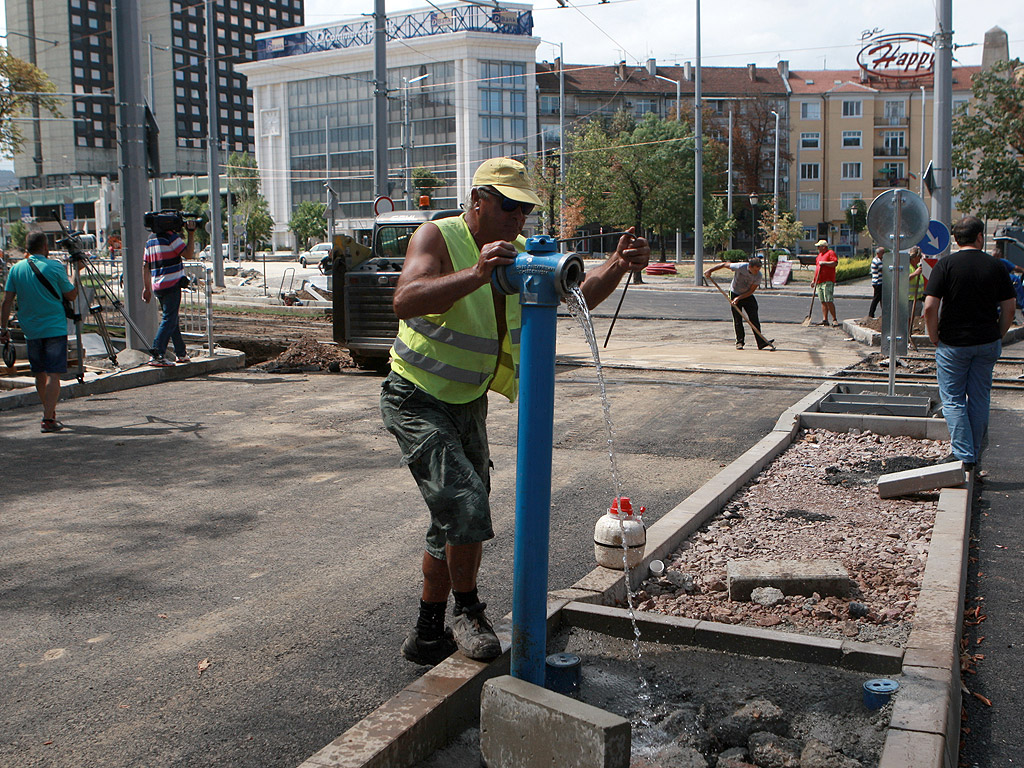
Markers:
(315, 254)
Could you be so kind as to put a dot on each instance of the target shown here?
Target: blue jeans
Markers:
(965, 386)
(170, 302)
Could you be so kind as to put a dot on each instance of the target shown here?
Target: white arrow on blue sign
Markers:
(935, 240)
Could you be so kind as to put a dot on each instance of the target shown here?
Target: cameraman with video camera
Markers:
(163, 274)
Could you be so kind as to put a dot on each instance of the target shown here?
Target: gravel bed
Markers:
(817, 500)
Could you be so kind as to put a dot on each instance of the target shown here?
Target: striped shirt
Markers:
(163, 255)
(876, 270)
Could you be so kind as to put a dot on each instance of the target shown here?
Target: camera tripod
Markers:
(79, 259)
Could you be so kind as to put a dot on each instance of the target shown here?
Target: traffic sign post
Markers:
(936, 239)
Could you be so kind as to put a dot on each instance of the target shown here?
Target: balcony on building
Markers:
(886, 182)
(891, 151)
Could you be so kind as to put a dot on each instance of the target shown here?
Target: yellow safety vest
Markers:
(456, 356)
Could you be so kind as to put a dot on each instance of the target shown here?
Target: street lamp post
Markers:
(853, 228)
(753, 221)
(679, 117)
(775, 193)
(407, 138)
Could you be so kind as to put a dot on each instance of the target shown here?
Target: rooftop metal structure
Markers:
(506, 21)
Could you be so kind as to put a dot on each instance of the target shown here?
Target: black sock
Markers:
(466, 599)
(430, 624)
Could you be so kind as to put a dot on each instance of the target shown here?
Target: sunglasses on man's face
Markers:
(508, 204)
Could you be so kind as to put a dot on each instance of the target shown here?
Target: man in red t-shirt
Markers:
(825, 281)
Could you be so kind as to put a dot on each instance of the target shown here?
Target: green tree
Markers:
(779, 231)
(250, 205)
(308, 222)
(988, 144)
(719, 226)
(634, 173)
(426, 181)
(17, 78)
(18, 232)
(193, 205)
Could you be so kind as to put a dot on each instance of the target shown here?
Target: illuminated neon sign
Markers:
(901, 56)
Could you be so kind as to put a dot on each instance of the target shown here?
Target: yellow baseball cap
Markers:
(508, 177)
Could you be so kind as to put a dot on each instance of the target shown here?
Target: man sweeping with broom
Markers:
(745, 279)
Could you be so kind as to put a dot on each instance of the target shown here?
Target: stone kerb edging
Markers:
(225, 360)
(924, 730)
(874, 338)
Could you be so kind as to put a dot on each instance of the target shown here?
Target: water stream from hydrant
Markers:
(577, 306)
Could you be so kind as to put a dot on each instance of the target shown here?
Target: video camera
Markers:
(72, 243)
(168, 220)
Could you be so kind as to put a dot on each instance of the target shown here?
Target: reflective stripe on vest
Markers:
(456, 355)
(458, 339)
(436, 367)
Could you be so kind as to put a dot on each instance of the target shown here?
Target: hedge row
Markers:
(851, 269)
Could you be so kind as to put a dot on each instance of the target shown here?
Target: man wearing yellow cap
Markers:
(457, 339)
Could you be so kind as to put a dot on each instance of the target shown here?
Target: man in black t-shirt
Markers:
(968, 307)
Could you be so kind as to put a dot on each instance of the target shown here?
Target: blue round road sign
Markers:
(935, 240)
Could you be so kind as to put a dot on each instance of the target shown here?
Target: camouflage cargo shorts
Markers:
(445, 447)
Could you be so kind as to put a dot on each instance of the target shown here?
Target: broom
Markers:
(807, 320)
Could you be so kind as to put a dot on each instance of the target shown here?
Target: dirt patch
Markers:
(256, 350)
(308, 355)
(815, 501)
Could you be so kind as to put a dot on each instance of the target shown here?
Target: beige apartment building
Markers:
(853, 136)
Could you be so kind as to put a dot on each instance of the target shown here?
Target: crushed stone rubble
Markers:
(817, 500)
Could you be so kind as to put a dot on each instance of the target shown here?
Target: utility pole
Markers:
(37, 131)
(131, 129)
(942, 140)
(380, 93)
(698, 171)
(152, 108)
(407, 138)
(728, 183)
(679, 117)
(213, 148)
(231, 218)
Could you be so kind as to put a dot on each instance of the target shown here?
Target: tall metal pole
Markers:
(405, 143)
(37, 131)
(155, 182)
(213, 148)
(728, 183)
(380, 93)
(942, 142)
(231, 217)
(698, 171)
(561, 144)
(767, 269)
(679, 118)
(923, 102)
(131, 121)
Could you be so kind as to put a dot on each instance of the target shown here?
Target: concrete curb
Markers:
(874, 338)
(225, 360)
(924, 727)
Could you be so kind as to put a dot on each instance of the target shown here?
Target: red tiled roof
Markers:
(715, 81)
(849, 80)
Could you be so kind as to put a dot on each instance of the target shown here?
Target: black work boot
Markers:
(428, 652)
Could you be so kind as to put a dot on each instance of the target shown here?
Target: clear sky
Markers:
(811, 34)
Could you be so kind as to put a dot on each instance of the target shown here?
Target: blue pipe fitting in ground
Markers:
(541, 276)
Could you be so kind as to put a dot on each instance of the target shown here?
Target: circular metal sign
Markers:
(383, 204)
(914, 218)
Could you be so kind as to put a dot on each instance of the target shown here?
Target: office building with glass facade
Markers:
(461, 84)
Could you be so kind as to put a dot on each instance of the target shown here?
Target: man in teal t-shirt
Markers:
(42, 319)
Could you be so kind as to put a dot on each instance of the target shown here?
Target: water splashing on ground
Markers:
(577, 305)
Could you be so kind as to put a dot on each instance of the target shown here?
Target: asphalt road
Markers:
(219, 571)
(780, 306)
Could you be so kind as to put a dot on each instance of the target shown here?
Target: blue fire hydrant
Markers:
(542, 277)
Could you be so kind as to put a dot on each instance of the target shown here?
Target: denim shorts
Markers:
(445, 447)
(49, 355)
